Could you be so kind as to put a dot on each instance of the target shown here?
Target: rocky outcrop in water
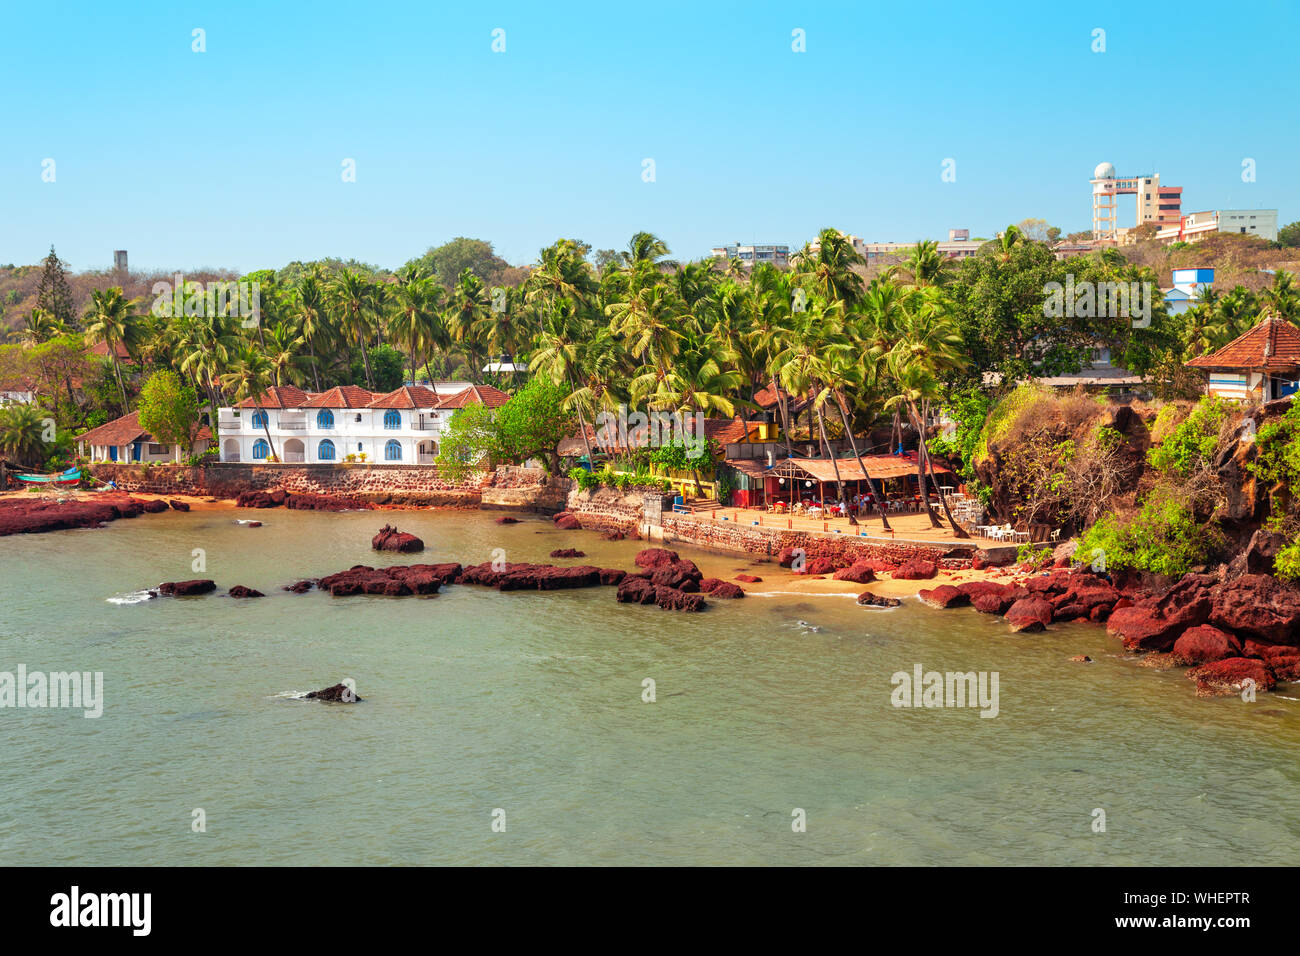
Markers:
(240, 591)
(187, 588)
(718, 588)
(945, 596)
(568, 553)
(177, 505)
(299, 587)
(338, 694)
(390, 539)
(396, 581)
(566, 521)
(867, 599)
(635, 589)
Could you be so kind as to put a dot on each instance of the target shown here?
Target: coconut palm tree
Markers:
(829, 270)
(353, 297)
(311, 308)
(111, 319)
(249, 376)
(22, 434)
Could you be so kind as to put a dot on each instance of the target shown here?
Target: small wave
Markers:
(133, 597)
(799, 594)
(290, 695)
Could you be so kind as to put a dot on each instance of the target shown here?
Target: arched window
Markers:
(260, 450)
(259, 418)
(325, 450)
(324, 418)
(393, 450)
(392, 418)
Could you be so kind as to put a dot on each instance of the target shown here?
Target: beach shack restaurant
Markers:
(803, 482)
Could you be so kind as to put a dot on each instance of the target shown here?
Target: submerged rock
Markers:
(748, 578)
(506, 519)
(300, 587)
(568, 553)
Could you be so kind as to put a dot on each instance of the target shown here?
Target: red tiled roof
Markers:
(476, 395)
(125, 430)
(727, 431)
(279, 396)
(341, 396)
(408, 396)
(1273, 343)
(101, 348)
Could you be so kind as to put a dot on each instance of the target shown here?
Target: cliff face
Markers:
(1058, 462)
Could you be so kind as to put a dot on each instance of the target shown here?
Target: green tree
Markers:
(534, 422)
(54, 295)
(169, 409)
(23, 433)
(469, 444)
(447, 261)
(112, 320)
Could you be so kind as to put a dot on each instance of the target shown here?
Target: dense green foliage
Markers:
(169, 409)
(1190, 446)
(1163, 538)
(533, 423)
(468, 444)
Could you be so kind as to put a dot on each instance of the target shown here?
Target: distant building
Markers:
(1187, 288)
(1261, 365)
(752, 255)
(959, 245)
(1198, 225)
(119, 260)
(1156, 205)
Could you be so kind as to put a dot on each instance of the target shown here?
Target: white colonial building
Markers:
(401, 427)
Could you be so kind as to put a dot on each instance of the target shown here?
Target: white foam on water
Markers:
(132, 597)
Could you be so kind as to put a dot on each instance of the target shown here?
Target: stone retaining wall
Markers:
(381, 484)
(525, 489)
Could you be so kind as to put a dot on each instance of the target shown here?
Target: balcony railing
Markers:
(298, 426)
(229, 423)
(294, 456)
(424, 426)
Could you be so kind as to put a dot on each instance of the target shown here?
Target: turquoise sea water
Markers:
(531, 703)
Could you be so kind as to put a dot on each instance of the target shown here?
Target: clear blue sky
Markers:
(233, 157)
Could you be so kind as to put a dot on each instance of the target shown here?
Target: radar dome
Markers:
(1104, 171)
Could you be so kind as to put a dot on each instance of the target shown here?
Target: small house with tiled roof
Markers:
(123, 439)
(1263, 364)
(347, 423)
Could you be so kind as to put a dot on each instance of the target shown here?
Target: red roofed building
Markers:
(347, 424)
(1261, 365)
(124, 440)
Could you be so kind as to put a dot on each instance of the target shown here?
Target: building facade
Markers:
(752, 255)
(347, 423)
(1244, 222)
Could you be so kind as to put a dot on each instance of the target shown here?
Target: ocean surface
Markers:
(527, 709)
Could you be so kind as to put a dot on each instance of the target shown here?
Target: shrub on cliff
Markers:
(1190, 447)
(1162, 538)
